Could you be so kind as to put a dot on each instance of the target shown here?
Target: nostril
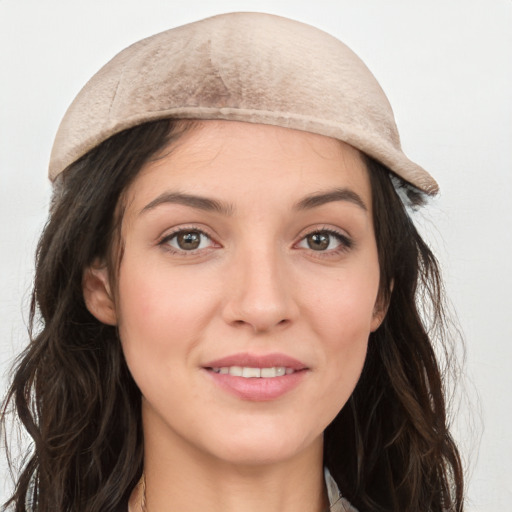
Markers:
(260, 326)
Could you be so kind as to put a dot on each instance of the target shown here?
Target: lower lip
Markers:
(258, 389)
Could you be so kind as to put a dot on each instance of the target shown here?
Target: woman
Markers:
(229, 286)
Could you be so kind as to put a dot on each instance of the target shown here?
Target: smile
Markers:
(251, 373)
(257, 377)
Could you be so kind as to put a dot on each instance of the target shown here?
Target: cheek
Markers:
(160, 318)
(341, 313)
(344, 308)
(346, 332)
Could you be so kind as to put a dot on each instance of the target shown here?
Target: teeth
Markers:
(236, 371)
(251, 373)
(268, 372)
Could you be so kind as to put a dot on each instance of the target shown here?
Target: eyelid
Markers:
(329, 228)
(345, 240)
(169, 235)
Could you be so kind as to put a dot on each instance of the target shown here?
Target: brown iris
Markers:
(188, 240)
(318, 241)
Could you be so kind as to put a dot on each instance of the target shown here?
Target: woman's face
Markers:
(247, 289)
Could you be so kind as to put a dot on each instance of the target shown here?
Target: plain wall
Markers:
(447, 69)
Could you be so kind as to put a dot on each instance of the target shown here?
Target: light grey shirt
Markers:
(337, 503)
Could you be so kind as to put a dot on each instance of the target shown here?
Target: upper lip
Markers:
(257, 361)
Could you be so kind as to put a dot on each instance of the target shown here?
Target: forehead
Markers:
(244, 161)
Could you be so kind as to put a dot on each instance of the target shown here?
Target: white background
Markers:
(447, 69)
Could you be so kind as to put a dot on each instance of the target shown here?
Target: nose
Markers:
(260, 292)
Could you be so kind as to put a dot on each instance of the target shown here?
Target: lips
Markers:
(249, 372)
(257, 378)
(257, 361)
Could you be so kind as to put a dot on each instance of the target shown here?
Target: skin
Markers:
(254, 285)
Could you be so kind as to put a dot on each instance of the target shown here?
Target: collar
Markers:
(337, 503)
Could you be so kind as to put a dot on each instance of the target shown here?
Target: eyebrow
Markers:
(338, 194)
(198, 202)
(213, 205)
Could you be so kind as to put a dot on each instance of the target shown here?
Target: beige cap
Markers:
(251, 67)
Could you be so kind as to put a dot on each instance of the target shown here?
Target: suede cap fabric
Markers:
(251, 67)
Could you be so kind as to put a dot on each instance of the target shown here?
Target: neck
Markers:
(246, 496)
(185, 479)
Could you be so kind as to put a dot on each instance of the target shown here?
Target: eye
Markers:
(188, 240)
(325, 240)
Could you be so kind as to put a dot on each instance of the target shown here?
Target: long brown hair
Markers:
(392, 436)
(389, 448)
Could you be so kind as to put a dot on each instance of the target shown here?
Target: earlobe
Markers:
(379, 313)
(97, 293)
(381, 309)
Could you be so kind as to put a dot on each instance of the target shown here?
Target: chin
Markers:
(259, 447)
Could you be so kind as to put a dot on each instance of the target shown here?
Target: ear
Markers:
(381, 308)
(97, 293)
(379, 313)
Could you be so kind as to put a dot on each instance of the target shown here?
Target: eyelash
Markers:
(345, 243)
(164, 242)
